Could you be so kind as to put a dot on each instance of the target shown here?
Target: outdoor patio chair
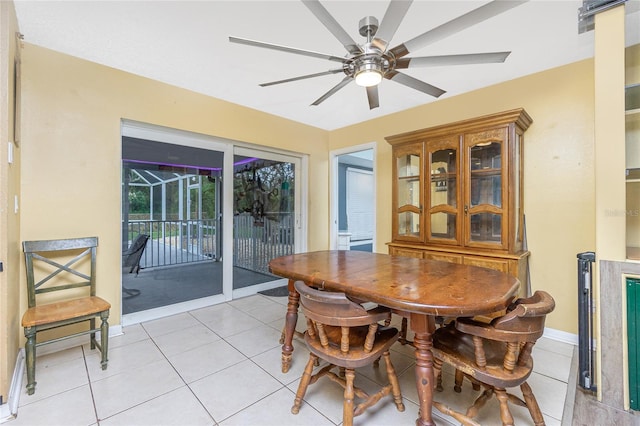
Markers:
(68, 269)
(132, 256)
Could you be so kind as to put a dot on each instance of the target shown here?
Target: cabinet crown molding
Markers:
(517, 116)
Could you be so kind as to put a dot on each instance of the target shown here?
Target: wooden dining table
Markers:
(418, 289)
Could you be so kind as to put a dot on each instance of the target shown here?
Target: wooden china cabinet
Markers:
(457, 193)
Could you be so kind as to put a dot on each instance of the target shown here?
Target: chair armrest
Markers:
(486, 331)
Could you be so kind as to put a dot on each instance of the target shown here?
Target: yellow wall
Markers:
(71, 144)
(10, 332)
(558, 169)
(72, 149)
(632, 76)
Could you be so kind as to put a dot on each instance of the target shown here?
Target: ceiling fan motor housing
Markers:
(368, 27)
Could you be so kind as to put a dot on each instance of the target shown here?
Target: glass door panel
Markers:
(409, 166)
(409, 224)
(443, 191)
(409, 192)
(264, 223)
(408, 171)
(485, 194)
(486, 174)
(486, 227)
(170, 197)
(443, 225)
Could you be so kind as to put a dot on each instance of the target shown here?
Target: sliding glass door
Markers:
(266, 220)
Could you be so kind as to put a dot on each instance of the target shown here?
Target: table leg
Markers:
(423, 327)
(290, 326)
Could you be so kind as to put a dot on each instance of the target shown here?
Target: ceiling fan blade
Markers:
(463, 59)
(414, 83)
(333, 90)
(473, 17)
(286, 49)
(332, 25)
(372, 96)
(302, 77)
(390, 22)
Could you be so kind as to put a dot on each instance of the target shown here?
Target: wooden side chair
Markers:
(348, 336)
(61, 290)
(495, 355)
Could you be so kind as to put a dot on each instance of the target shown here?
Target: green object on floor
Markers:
(633, 331)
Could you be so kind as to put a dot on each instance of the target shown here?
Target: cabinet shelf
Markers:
(486, 172)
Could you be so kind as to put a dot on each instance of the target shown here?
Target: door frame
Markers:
(333, 186)
(228, 147)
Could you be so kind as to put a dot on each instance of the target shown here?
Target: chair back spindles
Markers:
(495, 355)
(345, 334)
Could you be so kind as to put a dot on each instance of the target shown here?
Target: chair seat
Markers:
(358, 357)
(61, 311)
(457, 349)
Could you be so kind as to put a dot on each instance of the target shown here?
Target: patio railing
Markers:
(174, 242)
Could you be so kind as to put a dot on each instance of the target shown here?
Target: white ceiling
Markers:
(185, 43)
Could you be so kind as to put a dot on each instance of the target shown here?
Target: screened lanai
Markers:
(178, 205)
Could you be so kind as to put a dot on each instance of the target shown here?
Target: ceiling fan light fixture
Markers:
(368, 78)
(368, 73)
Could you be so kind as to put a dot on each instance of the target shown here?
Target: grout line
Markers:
(93, 398)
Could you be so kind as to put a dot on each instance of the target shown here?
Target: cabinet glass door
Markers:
(484, 199)
(443, 158)
(408, 201)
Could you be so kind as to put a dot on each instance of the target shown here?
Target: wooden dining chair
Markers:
(344, 334)
(61, 291)
(495, 356)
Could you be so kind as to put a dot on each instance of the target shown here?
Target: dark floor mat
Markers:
(276, 292)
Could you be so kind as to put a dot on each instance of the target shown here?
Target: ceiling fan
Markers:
(368, 63)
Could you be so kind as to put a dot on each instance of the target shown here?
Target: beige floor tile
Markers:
(271, 362)
(169, 324)
(275, 409)
(251, 303)
(54, 376)
(214, 313)
(72, 407)
(227, 392)
(552, 364)
(185, 339)
(561, 348)
(133, 387)
(130, 334)
(123, 358)
(256, 340)
(176, 408)
(268, 313)
(228, 325)
(281, 300)
(205, 360)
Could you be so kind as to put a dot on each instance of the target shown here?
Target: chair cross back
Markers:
(32, 250)
(61, 266)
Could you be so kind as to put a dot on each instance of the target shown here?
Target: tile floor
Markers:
(220, 365)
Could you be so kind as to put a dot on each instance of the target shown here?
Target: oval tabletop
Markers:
(404, 283)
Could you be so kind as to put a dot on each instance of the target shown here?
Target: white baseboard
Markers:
(561, 336)
(9, 410)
